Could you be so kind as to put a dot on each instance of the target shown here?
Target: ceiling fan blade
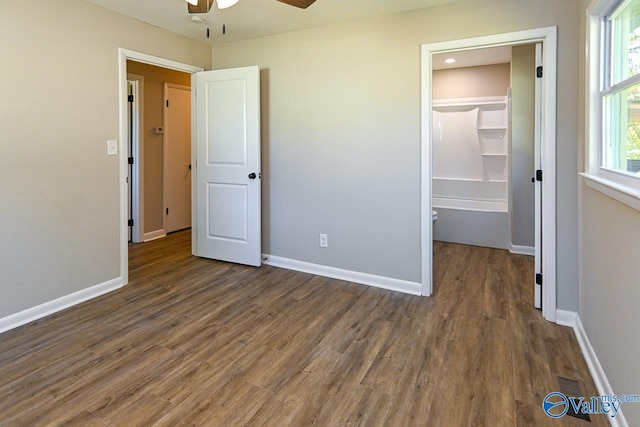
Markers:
(203, 6)
(302, 4)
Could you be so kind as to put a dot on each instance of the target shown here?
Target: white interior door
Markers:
(177, 157)
(227, 188)
(538, 182)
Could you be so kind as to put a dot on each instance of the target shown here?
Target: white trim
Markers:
(137, 233)
(154, 235)
(548, 36)
(522, 250)
(426, 172)
(596, 370)
(34, 313)
(382, 282)
(124, 55)
(598, 176)
(566, 318)
(627, 195)
(194, 167)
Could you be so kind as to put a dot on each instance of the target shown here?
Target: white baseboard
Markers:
(154, 235)
(34, 313)
(566, 318)
(569, 318)
(522, 250)
(388, 283)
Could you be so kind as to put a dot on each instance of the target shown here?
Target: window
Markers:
(621, 91)
(613, 101)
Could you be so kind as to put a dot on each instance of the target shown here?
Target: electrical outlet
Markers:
(324, 241)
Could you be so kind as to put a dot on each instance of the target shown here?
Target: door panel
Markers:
(227, 107)
(230, 224)
(228, 206)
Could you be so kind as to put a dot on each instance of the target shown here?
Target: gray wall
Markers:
(59, 220)
(523, 145)
(609, 273)
(341, 132)
(610, 291)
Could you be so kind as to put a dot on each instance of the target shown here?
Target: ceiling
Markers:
(473, 58)
(256, 18)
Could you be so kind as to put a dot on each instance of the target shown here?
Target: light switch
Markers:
(112, 148)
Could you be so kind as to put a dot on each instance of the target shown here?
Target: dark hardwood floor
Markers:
(198, 342)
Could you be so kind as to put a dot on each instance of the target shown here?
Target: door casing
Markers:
(137, 184)
(124, 55)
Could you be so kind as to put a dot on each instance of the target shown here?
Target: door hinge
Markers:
(130, 223)
(538, 279)
(539, 72)
(167, 103)
(130, 98)
(130, 160)
(167, 211)
(539, 175)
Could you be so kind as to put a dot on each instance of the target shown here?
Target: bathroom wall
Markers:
(154, 79)
(478, 223)
(494, 80)
(470, 82)
(522, 145)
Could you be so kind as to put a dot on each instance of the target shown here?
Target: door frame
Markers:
(548, 37)
(124, 55)
(137, 187)
(165, 112)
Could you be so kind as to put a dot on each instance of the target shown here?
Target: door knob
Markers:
(252, 175)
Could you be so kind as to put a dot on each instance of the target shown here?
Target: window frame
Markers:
(620, 185)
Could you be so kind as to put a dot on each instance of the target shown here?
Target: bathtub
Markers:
(472, 222)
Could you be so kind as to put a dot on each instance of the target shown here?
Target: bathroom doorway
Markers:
(483, 185)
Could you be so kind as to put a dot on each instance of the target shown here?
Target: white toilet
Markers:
(434, 216)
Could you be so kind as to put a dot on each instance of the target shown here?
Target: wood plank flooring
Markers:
(198, 342)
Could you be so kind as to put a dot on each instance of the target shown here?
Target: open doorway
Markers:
(226, 218)
(484, 151)
(128, 57)
(159, 147)
(546, 130)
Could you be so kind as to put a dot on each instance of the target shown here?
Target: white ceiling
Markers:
(473, 58)
(256, 18)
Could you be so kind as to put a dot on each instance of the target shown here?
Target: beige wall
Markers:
(154, 79)
(341, 132)
(59, 220)
(471, 82)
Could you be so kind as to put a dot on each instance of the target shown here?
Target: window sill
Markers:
(624, 194)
